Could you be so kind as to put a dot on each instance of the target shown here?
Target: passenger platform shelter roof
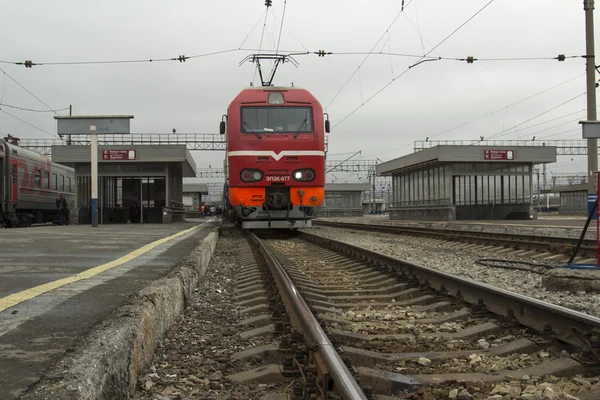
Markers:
(470, 154)
(144, 154)
(195, 188)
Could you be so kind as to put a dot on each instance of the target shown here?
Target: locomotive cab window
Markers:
(275, 120)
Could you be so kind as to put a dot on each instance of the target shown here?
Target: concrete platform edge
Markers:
(109, 360)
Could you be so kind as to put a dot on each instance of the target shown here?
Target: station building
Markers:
(343, 200)
(150, 175)
(465, 182)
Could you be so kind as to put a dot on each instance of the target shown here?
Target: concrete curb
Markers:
(109, 361)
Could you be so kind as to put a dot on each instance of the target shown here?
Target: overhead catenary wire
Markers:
(417, 63)
(27, 90)
(268, 5)
(507, 131)
(294, 36)
(180, 58)
(32, 110)
(571, 121)
(3, 87)
(28, 123)
(252, 30)
(515, 131)
(505, 107)
(559, 133)
(418, 28)
(306, 51)
(281, 27)
(368, 54)
(549, 120)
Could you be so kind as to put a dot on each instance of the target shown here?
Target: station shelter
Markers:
(149, 175)
(374, 206)
(343, 200)
(192, 195)
(465, 182)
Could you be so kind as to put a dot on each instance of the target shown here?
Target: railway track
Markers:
(555, 245)
(338, 321)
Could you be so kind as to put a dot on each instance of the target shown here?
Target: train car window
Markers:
(275, 120)
(62, 183)
(69, 187)
(54, 181)
(38, 178)
(47, 179)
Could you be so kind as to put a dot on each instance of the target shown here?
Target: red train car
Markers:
(29, 185)
(275, 161)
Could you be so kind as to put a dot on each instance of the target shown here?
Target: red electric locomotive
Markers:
(275, 161)
(29, 185)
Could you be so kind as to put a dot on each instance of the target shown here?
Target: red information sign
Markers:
(118, 155)
(498, 154)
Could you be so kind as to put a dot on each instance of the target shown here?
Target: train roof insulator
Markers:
(276, 98)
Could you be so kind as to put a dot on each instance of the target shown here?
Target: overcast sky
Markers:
(427, 101)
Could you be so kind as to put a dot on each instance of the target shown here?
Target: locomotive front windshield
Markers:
(277, 120)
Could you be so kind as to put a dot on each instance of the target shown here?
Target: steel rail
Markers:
(344, 383)
(531, 241)
(530, 312)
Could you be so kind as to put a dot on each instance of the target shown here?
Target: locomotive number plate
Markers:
(277, 178)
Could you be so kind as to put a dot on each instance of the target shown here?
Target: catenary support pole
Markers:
(592, 144)
(94, 158)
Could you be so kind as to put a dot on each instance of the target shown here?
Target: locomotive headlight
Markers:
(257, 175)
(276, 98)
(304, 175)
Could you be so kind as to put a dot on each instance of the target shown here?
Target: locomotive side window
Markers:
(38, 178)
(62, 183)
(47, 179)
(54, 181)
(277, 120)
(69, 187)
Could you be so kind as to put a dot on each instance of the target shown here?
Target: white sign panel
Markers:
(591, 129)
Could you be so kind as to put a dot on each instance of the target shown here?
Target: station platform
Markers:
(552, 225)
(56, 282)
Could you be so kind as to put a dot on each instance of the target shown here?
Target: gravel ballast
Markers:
(194, 359)
(461, 262)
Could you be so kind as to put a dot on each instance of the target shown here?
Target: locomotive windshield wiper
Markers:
(249, 130)
(301, 126)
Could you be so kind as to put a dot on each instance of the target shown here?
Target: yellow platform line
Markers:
(27, 294)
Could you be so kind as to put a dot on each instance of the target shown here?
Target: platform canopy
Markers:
(470, 154)
(199, 188)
